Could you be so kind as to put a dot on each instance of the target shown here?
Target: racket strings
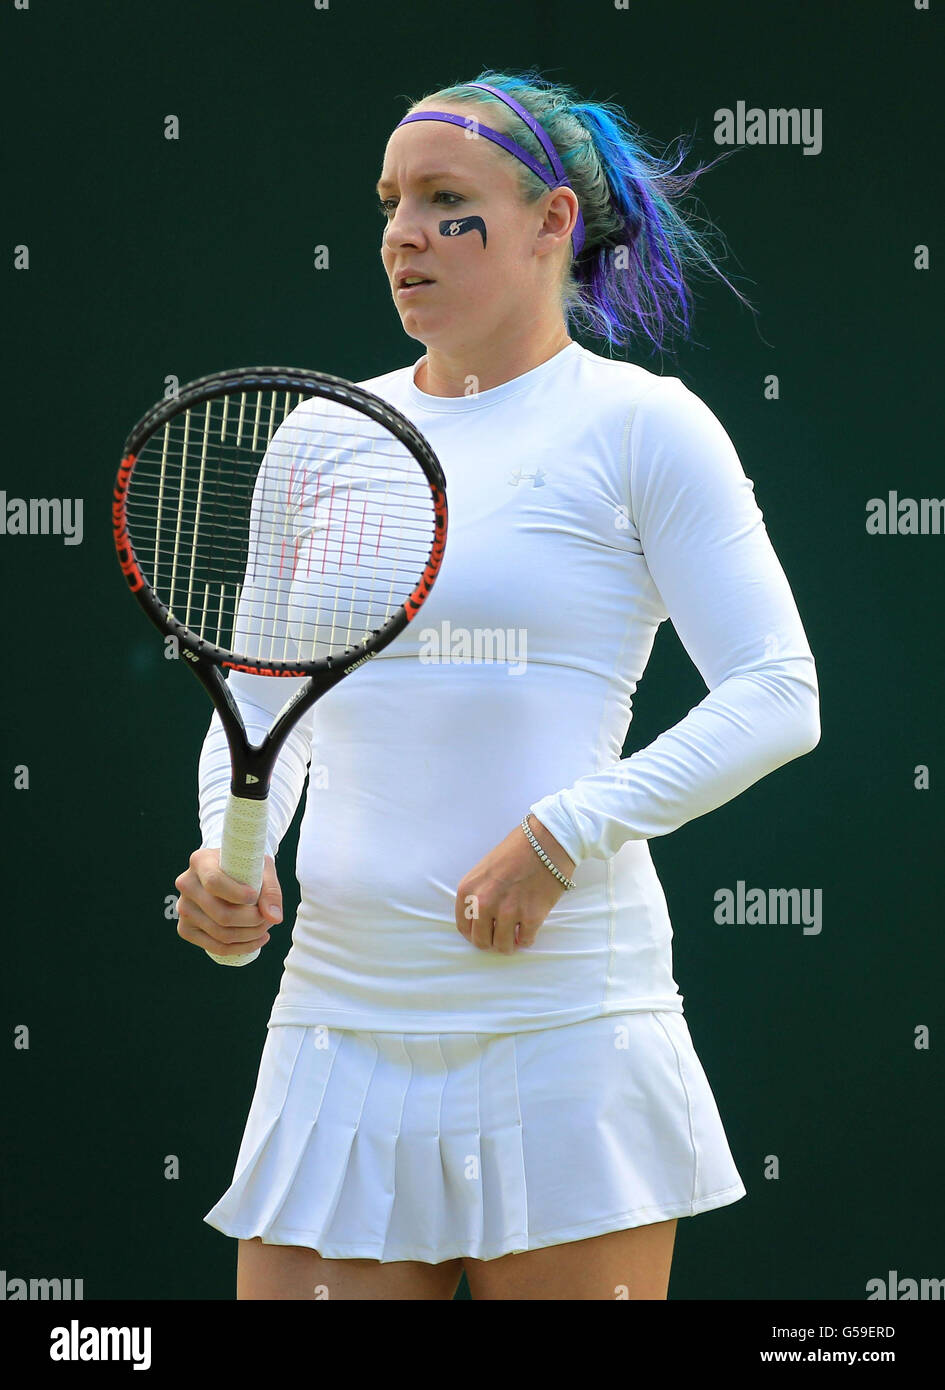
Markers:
(279, 529)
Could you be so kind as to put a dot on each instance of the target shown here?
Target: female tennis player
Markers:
(477, 1058)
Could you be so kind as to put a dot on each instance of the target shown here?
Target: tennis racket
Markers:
(281, 522)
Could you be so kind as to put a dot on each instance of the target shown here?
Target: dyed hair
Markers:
(628, 198)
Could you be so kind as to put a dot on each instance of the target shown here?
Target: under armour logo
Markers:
(538, 478)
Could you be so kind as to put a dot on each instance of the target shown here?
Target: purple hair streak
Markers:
(631, 244)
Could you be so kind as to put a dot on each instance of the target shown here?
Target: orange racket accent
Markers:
(413, 604)
(126, 556)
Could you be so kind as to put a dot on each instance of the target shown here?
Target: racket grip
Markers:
(243, 853)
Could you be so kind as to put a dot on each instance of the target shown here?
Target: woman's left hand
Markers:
(501, 903)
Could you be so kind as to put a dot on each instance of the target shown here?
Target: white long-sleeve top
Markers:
(589, 501)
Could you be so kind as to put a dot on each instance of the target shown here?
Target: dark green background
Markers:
(150, 257)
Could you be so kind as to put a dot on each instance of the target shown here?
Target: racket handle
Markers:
(243, 853)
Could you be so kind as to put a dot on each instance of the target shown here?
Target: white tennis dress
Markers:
(420, 1099)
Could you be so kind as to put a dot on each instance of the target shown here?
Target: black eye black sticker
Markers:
(464, 224)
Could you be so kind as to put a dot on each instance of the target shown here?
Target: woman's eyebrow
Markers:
(423, 178)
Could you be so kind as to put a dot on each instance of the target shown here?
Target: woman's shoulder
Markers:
(659, 405)
(625, 383)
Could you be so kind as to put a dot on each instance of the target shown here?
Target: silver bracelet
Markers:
(543, 856)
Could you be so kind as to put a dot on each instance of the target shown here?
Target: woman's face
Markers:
(485, 273)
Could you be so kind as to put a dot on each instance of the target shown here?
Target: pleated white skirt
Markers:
(428, 1146)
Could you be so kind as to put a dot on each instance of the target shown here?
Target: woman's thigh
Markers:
(295, 1271)
(631, 1264)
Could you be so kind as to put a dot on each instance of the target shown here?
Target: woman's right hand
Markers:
(220, 914)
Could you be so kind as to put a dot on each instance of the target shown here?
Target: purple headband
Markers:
(557, 179)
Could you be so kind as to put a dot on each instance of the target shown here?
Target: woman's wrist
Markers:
(554, 849)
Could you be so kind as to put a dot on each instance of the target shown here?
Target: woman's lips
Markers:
(407, 290)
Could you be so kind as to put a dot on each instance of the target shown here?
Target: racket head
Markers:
(303, 470)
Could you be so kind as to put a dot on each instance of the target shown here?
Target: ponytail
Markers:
(630, 276)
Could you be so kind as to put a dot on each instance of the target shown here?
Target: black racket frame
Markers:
(253, 763)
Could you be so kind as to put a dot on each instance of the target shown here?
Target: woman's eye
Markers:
(384, 206)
